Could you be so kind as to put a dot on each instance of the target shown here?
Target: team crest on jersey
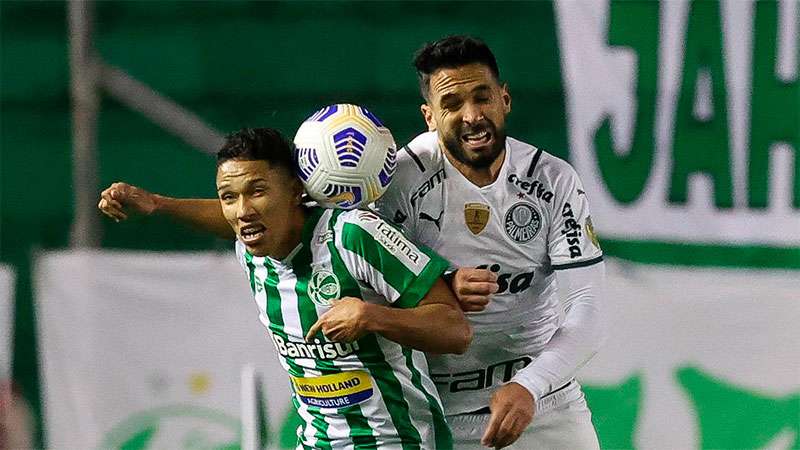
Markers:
(476, 216)
(522, 222)
(590, 232)
(323, 287)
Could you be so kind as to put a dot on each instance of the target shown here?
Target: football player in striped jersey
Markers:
(347, 299)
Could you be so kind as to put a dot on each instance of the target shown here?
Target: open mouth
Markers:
(477, 138)
(252, 233)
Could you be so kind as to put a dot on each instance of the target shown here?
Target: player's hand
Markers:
(346, 321)
(512, 409)
(119, 199)
(474, 288)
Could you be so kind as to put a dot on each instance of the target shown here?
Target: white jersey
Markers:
(533, 219)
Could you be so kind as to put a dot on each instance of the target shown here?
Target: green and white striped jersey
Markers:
(372, 393)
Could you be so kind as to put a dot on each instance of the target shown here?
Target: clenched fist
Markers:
(119, 199)
(474, 288)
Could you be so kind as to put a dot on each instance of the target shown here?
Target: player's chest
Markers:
(508, 221)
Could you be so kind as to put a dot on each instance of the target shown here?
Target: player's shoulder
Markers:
(539, 163)
(420, 157)
(356, 221)
(358, 216)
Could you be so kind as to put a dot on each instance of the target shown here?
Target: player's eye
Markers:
(227, 197)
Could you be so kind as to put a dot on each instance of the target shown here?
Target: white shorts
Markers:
(567, 426)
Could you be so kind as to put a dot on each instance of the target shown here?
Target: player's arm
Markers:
(435, 325)
(120, 199)
(577, 260)
(578, 339)
(576, 257)
(575, 342)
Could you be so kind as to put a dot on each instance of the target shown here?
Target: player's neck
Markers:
(479, 176)
(287, 245)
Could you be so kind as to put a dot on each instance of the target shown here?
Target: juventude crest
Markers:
(323, 287)
(476, 216)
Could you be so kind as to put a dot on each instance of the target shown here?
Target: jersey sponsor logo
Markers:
(590, 232)
(476, 216)
(533, 188)
(436, 221)
(522, 222)
(394, 241)
(475, 380)
(335, 390)
(571, 231)
(428, 185)
(511, 282)
(323, 287)
(325, 237)
(327, 351)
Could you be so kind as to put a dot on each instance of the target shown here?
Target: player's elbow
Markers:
(462, 337)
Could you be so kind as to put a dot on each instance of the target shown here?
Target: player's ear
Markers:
(506, 96)
(427, 114)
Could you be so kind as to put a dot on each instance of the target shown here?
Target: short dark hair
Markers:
(259, 144)
(451, 52)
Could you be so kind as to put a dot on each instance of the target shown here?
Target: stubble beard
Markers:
(483, 160)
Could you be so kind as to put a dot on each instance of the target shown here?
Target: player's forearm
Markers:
(577, 340)
(431, 328)
(202, 213)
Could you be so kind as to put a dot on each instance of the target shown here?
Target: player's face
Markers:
(262, 205)
(468, 106)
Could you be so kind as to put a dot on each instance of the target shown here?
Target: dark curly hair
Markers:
(259, 144)
(451, 52)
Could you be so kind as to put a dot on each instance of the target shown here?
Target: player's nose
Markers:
(244, 208)
(472, 113)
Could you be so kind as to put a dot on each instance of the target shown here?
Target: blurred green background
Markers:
(259, 63)
(234, 64)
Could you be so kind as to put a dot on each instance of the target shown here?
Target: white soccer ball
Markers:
(346, 157)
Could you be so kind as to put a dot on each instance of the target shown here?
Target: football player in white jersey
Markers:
(515, 222)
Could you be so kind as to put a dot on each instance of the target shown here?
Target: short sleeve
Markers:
(395, 206)
(572, 241)
(379, 254)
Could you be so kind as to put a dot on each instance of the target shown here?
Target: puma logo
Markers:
(437, 221)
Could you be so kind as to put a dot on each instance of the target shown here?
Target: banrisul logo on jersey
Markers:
(522, 222)
(315, 350)
(323, 287)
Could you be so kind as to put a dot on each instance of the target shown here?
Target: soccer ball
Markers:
(345, 156)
